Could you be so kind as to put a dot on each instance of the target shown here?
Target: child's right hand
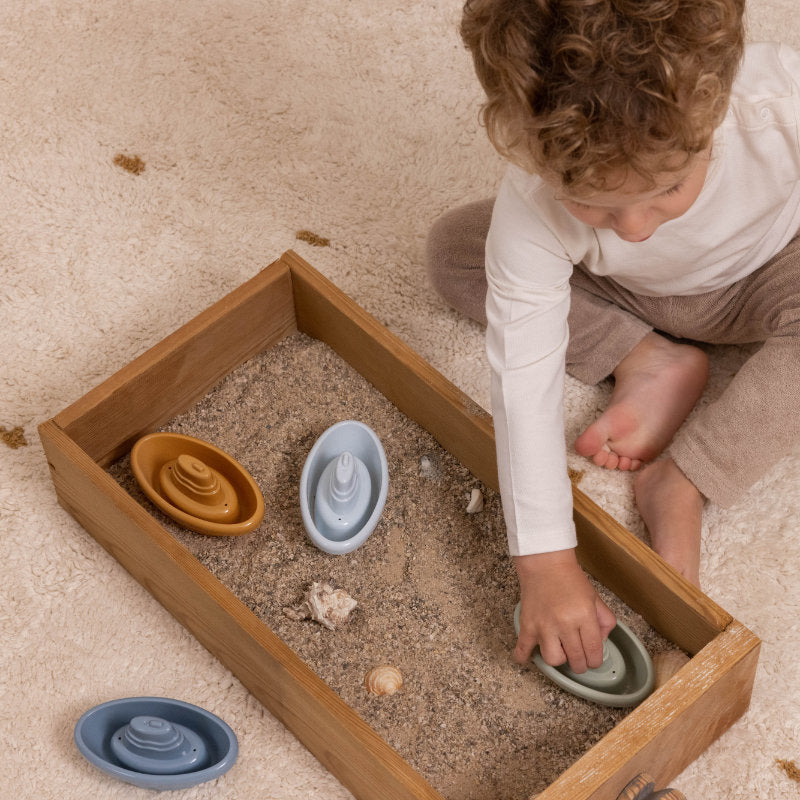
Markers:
(560, 611)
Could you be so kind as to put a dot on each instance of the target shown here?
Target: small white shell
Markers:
(324, 604)
(384, 679)
(429, 466)
(666, 664)
(475, 502)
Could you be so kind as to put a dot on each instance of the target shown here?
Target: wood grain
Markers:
(179, 370)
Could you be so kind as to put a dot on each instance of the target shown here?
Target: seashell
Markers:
(475, 502)
(324, 604)
(666, 664)
(384, 679)
(429, 466)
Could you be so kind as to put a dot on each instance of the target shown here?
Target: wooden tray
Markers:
(661, 736)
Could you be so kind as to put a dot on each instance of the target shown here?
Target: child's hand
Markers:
(560, 611)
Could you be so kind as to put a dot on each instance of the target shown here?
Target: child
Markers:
(653, 197)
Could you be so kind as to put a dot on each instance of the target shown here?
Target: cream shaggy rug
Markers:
(255, 119)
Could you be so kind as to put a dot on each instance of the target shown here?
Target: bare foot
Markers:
(656, 386)
(672, 509)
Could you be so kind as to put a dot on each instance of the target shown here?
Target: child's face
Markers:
(634, 213)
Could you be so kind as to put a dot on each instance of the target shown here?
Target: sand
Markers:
(434, 585)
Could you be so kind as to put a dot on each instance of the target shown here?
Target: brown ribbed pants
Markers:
(730, 443)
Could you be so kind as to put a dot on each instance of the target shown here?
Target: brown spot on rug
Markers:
(132, 164)
(790, 768)
(14, 438)
(312, 239)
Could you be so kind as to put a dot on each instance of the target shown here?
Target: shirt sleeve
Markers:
(527, 305)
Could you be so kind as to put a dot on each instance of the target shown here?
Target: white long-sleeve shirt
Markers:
(747, 211)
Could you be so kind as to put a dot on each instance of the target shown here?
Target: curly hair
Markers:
(585, 91)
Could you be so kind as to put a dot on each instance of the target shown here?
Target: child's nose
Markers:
(631, 221)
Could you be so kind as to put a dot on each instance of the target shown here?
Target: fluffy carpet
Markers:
(254, 119)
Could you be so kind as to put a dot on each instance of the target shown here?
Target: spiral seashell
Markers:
(666, 664)
(475, 502)
(384, 679)
(324, 604)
